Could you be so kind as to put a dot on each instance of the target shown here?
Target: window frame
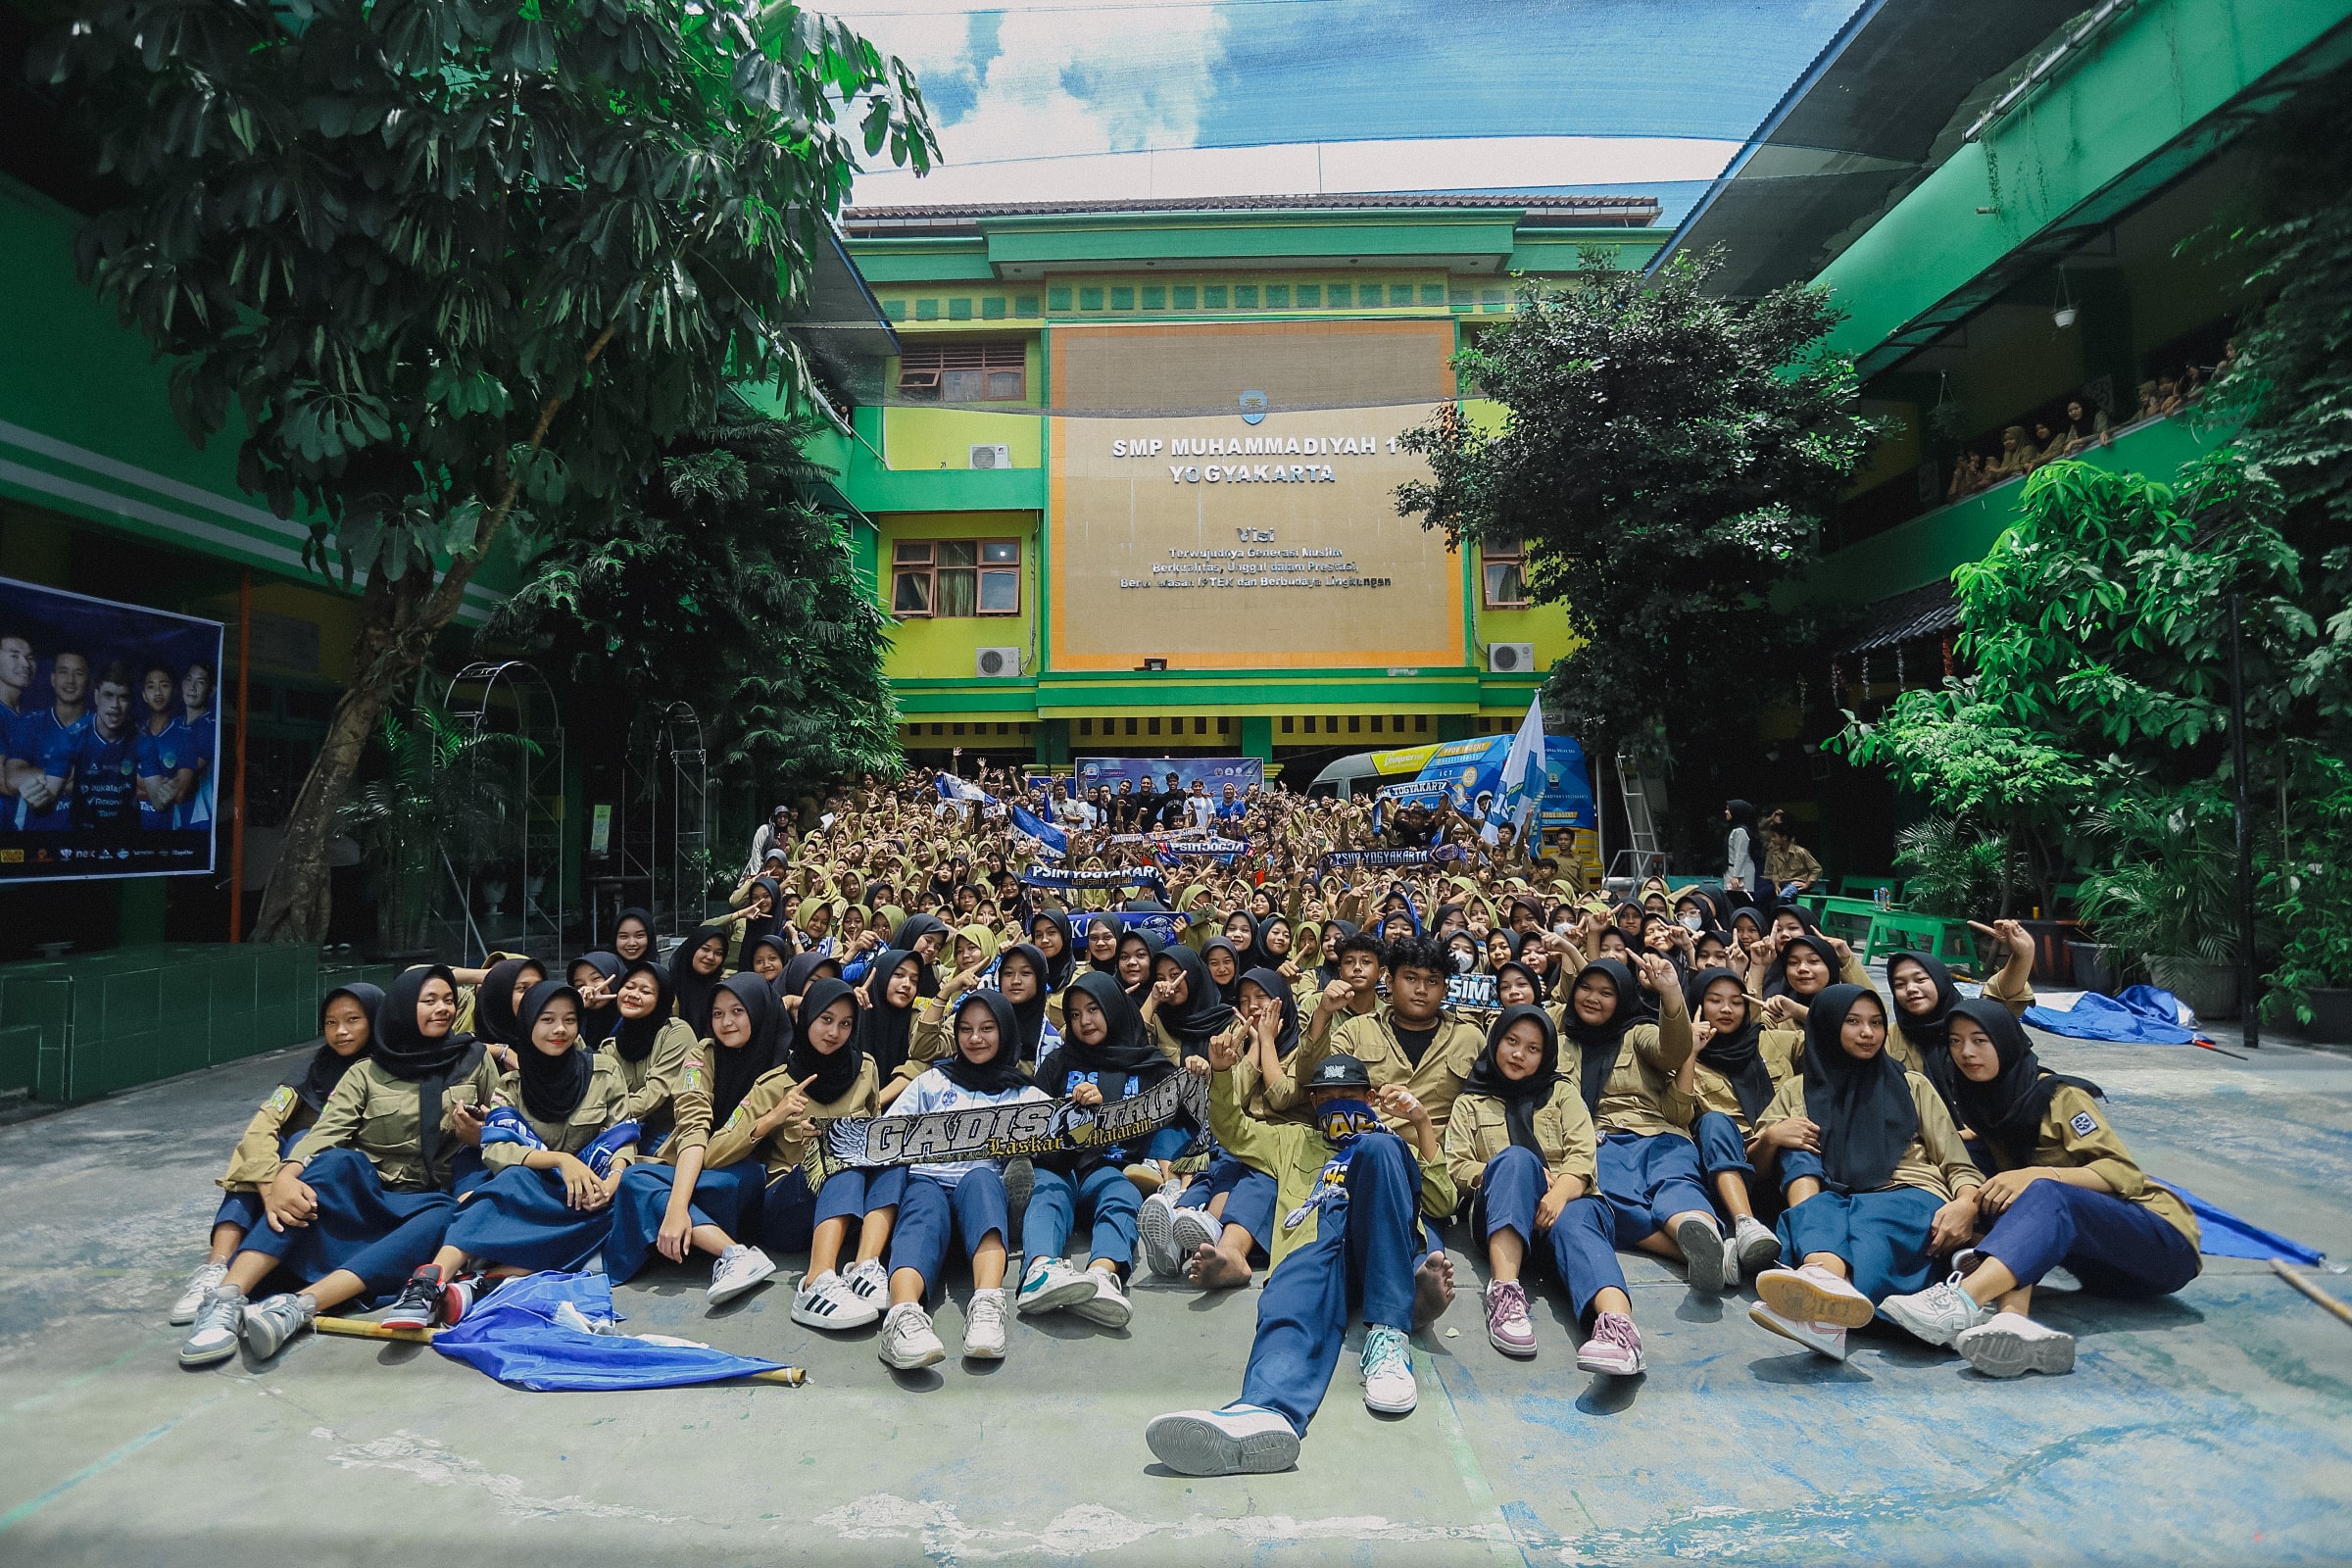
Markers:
(930, 568)
(1492, 556)
(924, 369)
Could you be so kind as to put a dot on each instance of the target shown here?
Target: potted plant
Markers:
(2311, 902)
(2169, 903)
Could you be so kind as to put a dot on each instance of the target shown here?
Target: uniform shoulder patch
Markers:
(282, 1099)
(2085, 1123)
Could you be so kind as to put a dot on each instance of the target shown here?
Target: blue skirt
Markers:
(518, 1217)
(731, 1198)
(379, 1234)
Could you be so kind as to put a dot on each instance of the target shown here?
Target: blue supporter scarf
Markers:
(506, 1125)
(1344, 1122)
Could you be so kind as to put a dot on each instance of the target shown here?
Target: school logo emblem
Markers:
(2085, 1123)
(1253, 407)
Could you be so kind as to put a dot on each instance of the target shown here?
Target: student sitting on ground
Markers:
(345, 1020)
(1350, 1235)
(2067, 1195)
(1209, 1229)
(1738, 1066)
(1520, 1142)
(1877, 1179)
(836, 1079)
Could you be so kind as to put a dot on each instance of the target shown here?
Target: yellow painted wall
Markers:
(942, 647)
(943, 438)
(1545, 626)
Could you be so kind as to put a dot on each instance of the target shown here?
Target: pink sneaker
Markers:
(1508, 1328)
(1615, 1348)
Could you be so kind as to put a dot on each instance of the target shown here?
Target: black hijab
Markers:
(1863, 1108)
(1543, 992)
(800, 973)
(1925, 1034)
(553, 1087)
(1736, 1056)
(835, 1073)
(1597, 1047)
(1268, 958)
(882, 1029)
(1347, 928)
(735, 1068)
(1058, 971)
(1153, 948)
(1203, 1014)
(772, 922)
(999, 1073)
(316, 1079)
(1029, 1017)
(633, 1038)
(597, 1024)
(1775, 978)
(1126, 1045)
(696, 992)
(1246, 950)
(1273, 984)
(912, 930)
(2007, 1112)
(781, 944)
(494, 1019)
(1231, 989)
(645, 918)
(1521, 1098)
(402, 1051)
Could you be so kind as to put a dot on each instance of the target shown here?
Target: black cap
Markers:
(1339, 1072)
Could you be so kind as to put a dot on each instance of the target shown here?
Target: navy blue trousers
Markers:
(1101, 1193)
(1720, 1145)
(1367, 1248)
(518, 1217)
(928, 1211)
(1647, 1181)
(1250, 1196)
(730, 1197)
(855, 1192)
(242, 1208)
(1579, 1245)
(2112, 1244)
(361, 1226)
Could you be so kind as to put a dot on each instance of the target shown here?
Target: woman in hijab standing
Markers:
(1876, 1176)
(346, 1020)
(1520, 1141)
(364, 1197)
(1744, 854)
(2066, 1194)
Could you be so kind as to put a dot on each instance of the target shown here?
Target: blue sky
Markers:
(1129, 98)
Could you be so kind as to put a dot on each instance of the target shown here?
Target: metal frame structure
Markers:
(669, 789)
(538, 898)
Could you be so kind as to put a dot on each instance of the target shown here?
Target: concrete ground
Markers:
(2212, 1427)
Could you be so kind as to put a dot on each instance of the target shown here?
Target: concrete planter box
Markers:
(2209, 989)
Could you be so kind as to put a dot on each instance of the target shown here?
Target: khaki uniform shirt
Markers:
(2074, 1134)
(1480, 1128)
(376, 1113)
(1294, 1157)
(735, 1142)
(1784, 1054)
(1640, 1096)
(255, 1160)
(1371, 1039)
(603, 1106)
(652, 1084)
(1936, 1162)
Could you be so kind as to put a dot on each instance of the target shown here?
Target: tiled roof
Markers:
(1903, 617)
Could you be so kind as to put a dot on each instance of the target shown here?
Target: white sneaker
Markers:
(1755, 1245)
(200, 1285)
(1814, 1294)
(1241, 1439)
(984, 1325)
(869, 1282)
(1108, 1305)
(827, 1302)
(737, 1270)
(1050, 1285)
(907, 1338)
(1194, 1228)
(1154, 1229)
(219, 1324)
(1386, 1368)
(1821, 1338)
(2011, 1344)
(269, 1325)
(1939, 1315)
(1707, 1262)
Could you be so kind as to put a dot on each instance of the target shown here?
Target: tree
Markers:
(1664, 458)
(460, 268)
(721, 585)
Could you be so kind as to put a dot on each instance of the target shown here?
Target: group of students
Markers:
(1719, 1086)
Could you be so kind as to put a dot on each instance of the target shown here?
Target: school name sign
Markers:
(1161, 448)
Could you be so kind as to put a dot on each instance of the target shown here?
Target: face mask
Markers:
(1690, 922)
(1562, 929)
(1341, 1119)
(1464, 962)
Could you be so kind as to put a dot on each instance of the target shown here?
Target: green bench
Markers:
(1937, 936)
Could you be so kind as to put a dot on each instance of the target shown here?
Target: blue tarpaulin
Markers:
(514, 1337)
(2222, 1234)
(2142, 1015)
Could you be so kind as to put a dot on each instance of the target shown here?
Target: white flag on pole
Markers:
(1522, 772)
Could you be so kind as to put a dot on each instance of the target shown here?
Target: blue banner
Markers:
(1161, 923)
(1212, 773)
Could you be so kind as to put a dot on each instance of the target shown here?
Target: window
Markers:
(1506, 584)
(956, 577)
(964, 373)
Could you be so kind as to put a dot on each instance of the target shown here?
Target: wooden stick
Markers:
(2312, 1291)
(357, 1328)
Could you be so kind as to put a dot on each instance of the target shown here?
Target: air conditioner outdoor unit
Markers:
(998, 661)
(999, 456)
(1510, 659)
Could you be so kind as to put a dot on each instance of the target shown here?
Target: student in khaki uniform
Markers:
(682, 1202)
(362, 1198)
(346, 1018)
(1520, 1142)
(1877, 1179)
(1021, 977)
(898, 1032)
(695, 969)
(1804, 964)
(1183, 1010)
(2068, 1194)
(833, 1079)
(557, 1142)
(1049, 934)
(1923, 994)
(1624, 1067)
(1737, 1069)
(1208, 1228)
(648, 1051)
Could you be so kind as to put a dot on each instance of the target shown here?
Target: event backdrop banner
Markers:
(110, 720)
(1247, 519)
(1212, 773)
